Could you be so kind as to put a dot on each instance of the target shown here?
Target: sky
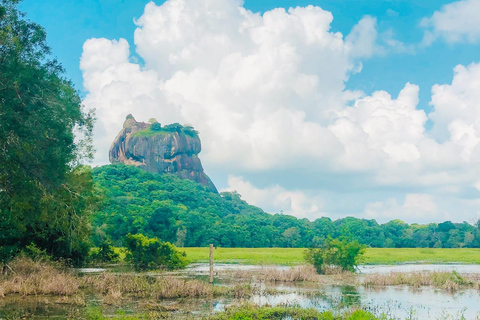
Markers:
(312, 108)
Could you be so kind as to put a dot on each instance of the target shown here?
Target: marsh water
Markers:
(396, 302)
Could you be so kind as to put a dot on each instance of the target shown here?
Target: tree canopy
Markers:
(44, 135)
(186, 213)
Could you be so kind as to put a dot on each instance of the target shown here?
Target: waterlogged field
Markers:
(252, 283)
(40, 291)
(294, 256)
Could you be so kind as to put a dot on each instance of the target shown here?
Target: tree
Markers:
(44, 136)
(152, 253)
(174, 127)
(156, 126)
(342, 253)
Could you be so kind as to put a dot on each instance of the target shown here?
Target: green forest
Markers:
(186, 213)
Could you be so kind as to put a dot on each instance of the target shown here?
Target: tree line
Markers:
(186, 213)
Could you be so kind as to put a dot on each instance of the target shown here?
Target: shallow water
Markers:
(395, 302)
(398, 302)
(201, 268)
(460, 268)
(204, 267)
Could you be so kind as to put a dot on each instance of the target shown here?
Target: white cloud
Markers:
(454, 22)
(379, 128)
(258, 88)
(425, 208)
(267, 93)
(457, 106)
(276, 199)
(415, 208)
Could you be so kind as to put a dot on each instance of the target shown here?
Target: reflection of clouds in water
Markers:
(461, 268)
(395, 302)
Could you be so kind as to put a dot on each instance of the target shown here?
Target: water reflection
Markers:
(398, 302)
(460, 268)
(394, 302)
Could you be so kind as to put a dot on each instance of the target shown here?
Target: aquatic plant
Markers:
(450, 281)
(253, 312)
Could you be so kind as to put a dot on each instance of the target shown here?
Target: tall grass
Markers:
(47, 278)
(450, 281)
(37, 277)
(269, 274)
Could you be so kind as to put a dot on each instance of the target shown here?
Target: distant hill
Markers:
(187, 213)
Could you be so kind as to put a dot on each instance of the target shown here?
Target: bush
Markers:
(174, 127)
(35, 253)
(156, 126)
(104, 253)
(341, 253)
(152, 253)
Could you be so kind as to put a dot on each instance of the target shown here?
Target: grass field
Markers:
(293, 256)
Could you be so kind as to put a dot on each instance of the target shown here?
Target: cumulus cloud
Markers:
(276, 199)
(415, 207)
(257, 87)
(454, 22)
(267, 93)
(457, 108)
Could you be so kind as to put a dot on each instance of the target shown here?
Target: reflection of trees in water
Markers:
(346, 298)
(350, 296)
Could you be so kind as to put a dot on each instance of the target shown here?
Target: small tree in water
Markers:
(341, 253)
(152, 253)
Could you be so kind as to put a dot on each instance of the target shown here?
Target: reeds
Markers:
(272, 274)
(114, 287)
(299, 273)
(37, 277)
(47, 278)
(450, 281)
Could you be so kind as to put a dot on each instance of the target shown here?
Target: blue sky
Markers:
(114, 19)
(353, 147)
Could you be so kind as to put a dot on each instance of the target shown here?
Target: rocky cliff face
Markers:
(171, 149)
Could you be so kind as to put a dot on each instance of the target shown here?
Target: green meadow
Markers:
(294, 256)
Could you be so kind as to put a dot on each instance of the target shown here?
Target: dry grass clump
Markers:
(142, 286)
(272, 274)
(37, 277)
(171, 287)
(450, 281)
(113, 297)
(110, 284)
(299, 273)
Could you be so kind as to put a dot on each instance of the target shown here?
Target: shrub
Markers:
(174, 127)
(341, 253)
(35, 253)
(156, 126)
(104, 253)
(152, 253)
